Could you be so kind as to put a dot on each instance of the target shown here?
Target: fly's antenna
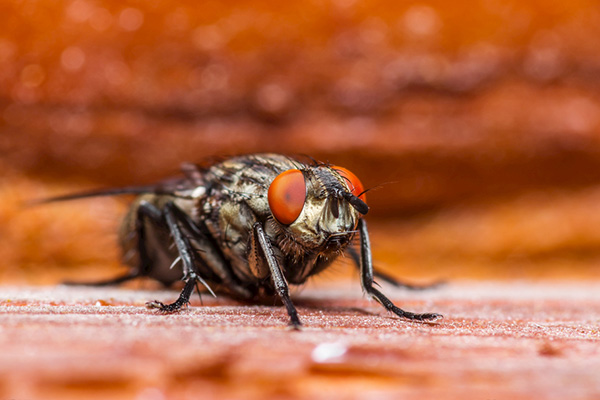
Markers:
(357, 203)
(376, 187)
(379, 186)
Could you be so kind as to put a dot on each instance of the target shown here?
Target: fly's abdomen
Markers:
(147, 248)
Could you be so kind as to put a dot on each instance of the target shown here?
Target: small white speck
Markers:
(328, 352)
(199, 191)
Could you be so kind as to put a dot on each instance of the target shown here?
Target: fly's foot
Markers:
(427, 317)
(183, 300)
(165, 308)
(295, 324)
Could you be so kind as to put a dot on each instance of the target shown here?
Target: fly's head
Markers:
(316, 208)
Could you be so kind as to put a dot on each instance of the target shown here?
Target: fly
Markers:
(248, 227)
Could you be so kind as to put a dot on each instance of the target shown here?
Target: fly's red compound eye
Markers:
(287, 194)
(356, 186)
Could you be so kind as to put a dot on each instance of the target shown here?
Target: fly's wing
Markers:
(192, 178)
(94, 193)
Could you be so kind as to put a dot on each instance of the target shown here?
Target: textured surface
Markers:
(517, 341)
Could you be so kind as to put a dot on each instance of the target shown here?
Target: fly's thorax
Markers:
(235, 219)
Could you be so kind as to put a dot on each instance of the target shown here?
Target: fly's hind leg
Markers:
(354, 254)
(176, 223)
(366, 276)
(144, 211)
(108, 282)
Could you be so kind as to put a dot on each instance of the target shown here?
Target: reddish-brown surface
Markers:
(497, 341)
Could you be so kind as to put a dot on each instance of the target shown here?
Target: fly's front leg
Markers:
(187, 253)
(366, 276)
(355, 255)
(281, 285)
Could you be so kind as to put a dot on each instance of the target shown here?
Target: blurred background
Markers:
(481, 120)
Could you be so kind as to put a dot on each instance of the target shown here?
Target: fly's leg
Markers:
(191, 276)
(182, 300)
(281, 286)
(108, 282)
(218, 264)
(366, 276)
(410, 286)
(354, 254)
(145, 211)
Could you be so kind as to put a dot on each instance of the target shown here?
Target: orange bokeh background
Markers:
(481, 121)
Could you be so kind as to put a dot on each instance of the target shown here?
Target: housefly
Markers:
(247, 227)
